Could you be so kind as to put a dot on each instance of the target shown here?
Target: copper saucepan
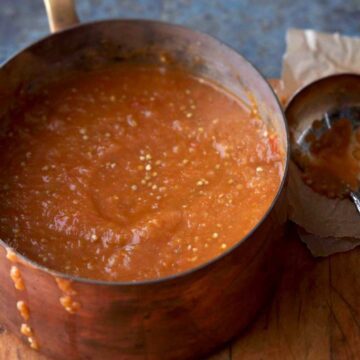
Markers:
(182, 316)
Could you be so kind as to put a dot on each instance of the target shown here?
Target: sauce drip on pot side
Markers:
(133, 172)
(21, 305)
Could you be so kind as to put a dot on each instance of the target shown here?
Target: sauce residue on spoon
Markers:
(333, 167)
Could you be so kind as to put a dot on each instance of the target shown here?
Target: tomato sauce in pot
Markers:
(133, 172)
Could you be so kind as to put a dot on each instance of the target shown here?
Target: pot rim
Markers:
(209, 262)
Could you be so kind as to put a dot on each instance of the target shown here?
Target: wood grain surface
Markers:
(314, 314)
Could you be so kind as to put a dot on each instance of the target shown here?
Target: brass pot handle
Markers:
(61, 14)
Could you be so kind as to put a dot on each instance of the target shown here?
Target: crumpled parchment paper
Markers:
(326, 226)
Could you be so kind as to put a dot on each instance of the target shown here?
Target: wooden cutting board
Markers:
(314, 314)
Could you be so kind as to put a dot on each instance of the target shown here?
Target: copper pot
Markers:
(183, 316)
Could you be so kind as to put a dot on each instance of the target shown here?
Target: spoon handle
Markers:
(61, 14)
(355, 196)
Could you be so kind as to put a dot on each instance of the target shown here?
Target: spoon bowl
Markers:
(314, 109)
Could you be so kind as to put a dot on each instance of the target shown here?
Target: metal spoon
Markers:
(327, 99)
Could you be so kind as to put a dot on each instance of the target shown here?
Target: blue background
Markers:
(255, 28)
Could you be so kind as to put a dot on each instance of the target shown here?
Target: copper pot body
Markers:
(184, 316)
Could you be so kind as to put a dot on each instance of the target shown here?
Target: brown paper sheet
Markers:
(330, 226)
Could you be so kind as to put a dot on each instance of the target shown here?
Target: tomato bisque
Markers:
(133, 172)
